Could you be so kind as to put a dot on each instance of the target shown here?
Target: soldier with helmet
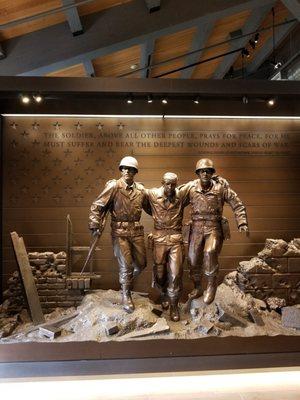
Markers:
(124, 199)
(209, 228)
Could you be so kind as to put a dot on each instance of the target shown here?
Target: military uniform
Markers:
(125, 204)
(206, 236)
(168, 250)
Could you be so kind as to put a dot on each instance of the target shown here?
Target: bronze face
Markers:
(128, 174)
(205, 175)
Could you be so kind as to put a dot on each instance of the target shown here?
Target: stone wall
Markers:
(55, 289)
(275, 272)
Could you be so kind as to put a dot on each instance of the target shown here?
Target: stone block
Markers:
(41, 286)
(42, 280)
(50, 331)
(74, 284)
(205, 327)
(57, 286)
(61, 255)
(47, 292)
(227, 316)
(59, 261)
(47, 255)
(280, 264)
(291, 317)
(111, 329)
(51, 280)
(261, 281)
(38, 262)
(61, 268)
(273, 248)
(66, 304)
(286, 281)
(294, 265)
(276, 303)
(56, 299)
(69, 284)
(81, 283)
(87, 283)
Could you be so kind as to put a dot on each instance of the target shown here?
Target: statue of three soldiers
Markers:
(125, 199)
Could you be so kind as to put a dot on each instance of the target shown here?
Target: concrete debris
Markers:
(255, 317)
(50, 331)
(291, 317)
(275, 303)
(205, 327)
(157, 312)
(255, 266)
(111, 329)
(234, 320)
(273, 248)
(160, 326)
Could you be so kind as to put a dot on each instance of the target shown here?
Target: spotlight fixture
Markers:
(271, 102)
(245, 100)
(252, 43)
(133, 66)
(164, 100)
(129, 99)
(276, 65)
(197, 100)
(149, 98)
(245, 52)
(256, 38)
(25, 99)
(38, 98)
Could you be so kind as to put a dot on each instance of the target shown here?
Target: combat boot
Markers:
(174, 311)
(164, 301)
(196, 292)
(127, 302)
(211, 289)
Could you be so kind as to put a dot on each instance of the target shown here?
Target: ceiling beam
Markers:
(73, 17)
(253, 23)
(199, 41)
(146, 55)
(153, 5)
(109, 32)
(293, 6)
(266, 50)
(89, 68)
(2, 53)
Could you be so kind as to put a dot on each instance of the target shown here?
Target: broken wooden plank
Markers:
(30, 289)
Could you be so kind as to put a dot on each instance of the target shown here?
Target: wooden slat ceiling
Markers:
(165, 47)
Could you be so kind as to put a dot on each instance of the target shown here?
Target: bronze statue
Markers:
(124, 199)
(167, 205)
(209, 228)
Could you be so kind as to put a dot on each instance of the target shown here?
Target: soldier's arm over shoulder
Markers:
(184, 191)
(237, 206)
(221, 180)
(100, 205)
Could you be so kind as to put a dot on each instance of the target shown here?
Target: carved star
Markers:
(77, 161)
(88, 188)
(67, 152)
(78, 198)
(78, 125)
(56, 161)
(57, 198)
(56, 180)
(68, 189)
(99, 162)
(78, 180)
(67, 171)
(35, 181)
(89, 170)
(46, 171)
(35, 198)
(99, 126)
(24, 189)
(88, 152)
(13, 125)
(121, 126)
(24, 134)
(35, 126)
(57, 125)
(14, 143)
(35, 142)
(46, 189)
(46, 152)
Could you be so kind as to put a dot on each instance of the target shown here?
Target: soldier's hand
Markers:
(244, 229)
(95, 232)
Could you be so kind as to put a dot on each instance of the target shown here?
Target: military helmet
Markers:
(129, 161)
(204, 163)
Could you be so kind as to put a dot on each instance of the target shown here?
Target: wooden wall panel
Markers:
(57, 166)
(74, 71)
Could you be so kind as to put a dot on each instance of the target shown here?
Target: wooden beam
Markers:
(73, 17)
(27, 279)
(293, 6)
(146, 54)
(89, 68)
(26, 55)
(254, 21)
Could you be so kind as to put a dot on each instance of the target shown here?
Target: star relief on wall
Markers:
(13, 125)
(35, 126)
(100, 126)
(57, 125)
(78, 125)
(25, 134)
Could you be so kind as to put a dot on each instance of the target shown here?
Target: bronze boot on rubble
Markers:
(211, 289)
(174, 311)
(197, 291)
(127, 302)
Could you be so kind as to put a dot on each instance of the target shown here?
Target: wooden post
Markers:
(30, 289)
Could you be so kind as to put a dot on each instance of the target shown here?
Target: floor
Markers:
(258, 384)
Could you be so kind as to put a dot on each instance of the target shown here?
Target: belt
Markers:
(206, 217)
(125, 224)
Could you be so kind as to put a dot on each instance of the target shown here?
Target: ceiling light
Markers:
(245, 100)
(133, 66)
(245, 53)
(256, 38)
(197, 100)
(25, 99)
(129, 99)
(271, 102)
(38, 98)
(150, 99)
(164, 100)
(252, 43)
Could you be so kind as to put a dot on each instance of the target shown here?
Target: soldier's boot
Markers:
(211, 289)
(174, 311)
(164, 300)
(197, 291)
(127, 302)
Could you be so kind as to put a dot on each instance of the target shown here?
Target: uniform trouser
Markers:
(205, 244)
(167, 269)
(131, 254)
